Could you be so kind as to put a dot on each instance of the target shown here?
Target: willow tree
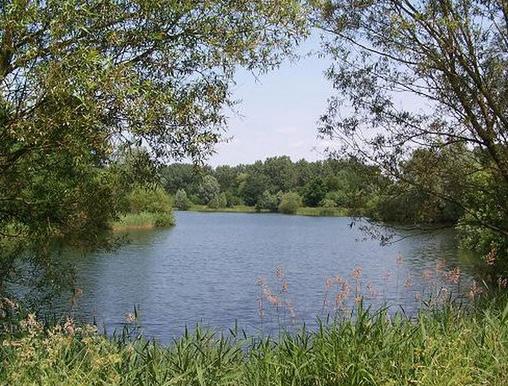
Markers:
(427, 74)
(79, 79)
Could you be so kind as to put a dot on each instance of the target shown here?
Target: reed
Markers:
(450, 345)
(143, 220)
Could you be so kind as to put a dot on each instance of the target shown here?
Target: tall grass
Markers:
(143, 220)
(448, 346)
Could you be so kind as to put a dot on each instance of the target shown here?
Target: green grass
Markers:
(303, 211)
(143, 220)
(444, 347)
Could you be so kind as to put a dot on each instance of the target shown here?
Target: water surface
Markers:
(207, 269)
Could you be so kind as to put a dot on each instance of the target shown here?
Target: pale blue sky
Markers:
(279, 112)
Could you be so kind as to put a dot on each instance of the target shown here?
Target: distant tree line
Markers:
(265, 184)
(279, 184)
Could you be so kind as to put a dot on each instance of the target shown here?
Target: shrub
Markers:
(268, 201)
(327, 203)
(152, 200)
(232, 200)
(290, 203)
(218, 201)
(181, 200)
(143, 220)
(339, 197)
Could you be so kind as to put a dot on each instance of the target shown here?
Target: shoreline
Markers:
(302, 211)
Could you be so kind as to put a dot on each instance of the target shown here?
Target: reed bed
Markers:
(451, 345)
(143, 220)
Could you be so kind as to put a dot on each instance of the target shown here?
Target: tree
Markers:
(449, 56)
(290, 202)
(209, 189)
(281, 172)
(182, 202)
(80, 80)
(313, 192)
(219, 201)
(268, 201)
(179, 175)
(252, 187)
(149, 199)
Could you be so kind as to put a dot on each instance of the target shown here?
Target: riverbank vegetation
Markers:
(449, 345)
(146, 207)
(93, 97)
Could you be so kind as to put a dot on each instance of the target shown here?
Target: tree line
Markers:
(263, 184)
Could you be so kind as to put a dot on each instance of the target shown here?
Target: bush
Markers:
(232, 200)
(268, 201)
(152, 200)
(339, 197)
(182, 202)
(327, 203)
(218, 201)
(194, 199)
(143, 220)
(290, 202)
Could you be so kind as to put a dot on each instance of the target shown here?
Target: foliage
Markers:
(289, 203)
(449, 56)
(209, 189)
(252, 187)
(148, 199)
(79, 82)
(219, 201)
(328, 203)
(182, 202)
(313, 192)
(259, 184)
(448, 346)
(233, 209)
(269, 201)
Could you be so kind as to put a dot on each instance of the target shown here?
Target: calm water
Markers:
(206, 269)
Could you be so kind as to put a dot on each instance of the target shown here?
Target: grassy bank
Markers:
(303, 211)
(143, 220)
(445, 347)
(234, 209)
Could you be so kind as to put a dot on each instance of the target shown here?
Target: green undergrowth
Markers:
(449, 346)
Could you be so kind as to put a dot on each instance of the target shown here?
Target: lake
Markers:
(261, 271)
